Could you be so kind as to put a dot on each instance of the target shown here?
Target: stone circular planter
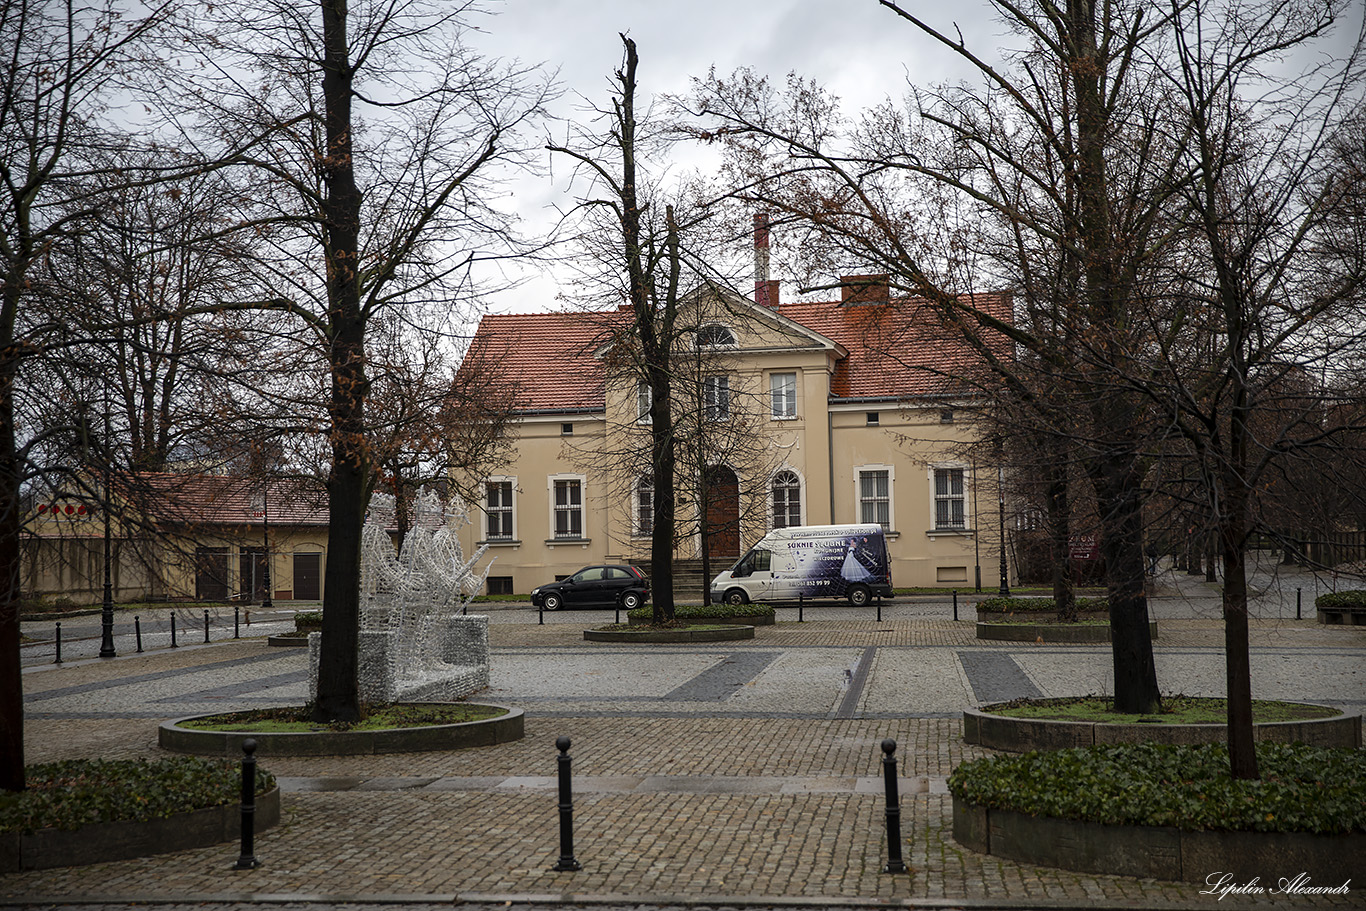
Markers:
(287, 640)
(1025, 631)
(488, 732)
(1020, 735)
(127, 839)
(1158, 852)
(738, 620)
(727, 634)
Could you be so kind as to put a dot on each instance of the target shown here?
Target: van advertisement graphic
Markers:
(826, 564)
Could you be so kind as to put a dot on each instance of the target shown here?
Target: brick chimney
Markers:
(864, 289)
(765, 291)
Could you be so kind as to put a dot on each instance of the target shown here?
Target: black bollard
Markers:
(894, 861)
(59, 644)
(247, 860)
(540, 615)
(173, 645)
(206, 626)
(137, 631)
(955, 604)
(237, 623)
(801, 603)
(1298, 593)
(566, 863)
(617, 619)
(879, 608)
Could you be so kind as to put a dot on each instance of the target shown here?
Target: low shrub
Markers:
(707, 611)
(308, 620)
(1036, 605)
(1355, 598)
(1302, 788)
(81, 792)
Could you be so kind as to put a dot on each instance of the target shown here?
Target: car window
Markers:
(591, 574)
(614, 573)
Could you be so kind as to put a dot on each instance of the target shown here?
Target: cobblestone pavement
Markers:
(726, 775)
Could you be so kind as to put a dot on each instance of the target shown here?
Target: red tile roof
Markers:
(899, 351)
(896, 351)
(548, 358)
(198, 499)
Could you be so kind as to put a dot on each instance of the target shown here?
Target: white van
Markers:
(810, 561)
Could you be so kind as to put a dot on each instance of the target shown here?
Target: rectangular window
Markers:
(567, 430)
(875, 498)
(645, 507)
(872, 419)
(498, 509)
(716, 398)
(569, 509)
(500, 585)
(644, 398)
(783, 389)
(949, 503)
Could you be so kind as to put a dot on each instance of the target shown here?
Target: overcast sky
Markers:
(857, 49)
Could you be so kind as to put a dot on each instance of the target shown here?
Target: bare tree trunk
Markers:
(1059, 530)
(11, 686)
(338, 689)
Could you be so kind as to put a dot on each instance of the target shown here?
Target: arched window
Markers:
(787, 500)
(714, 335)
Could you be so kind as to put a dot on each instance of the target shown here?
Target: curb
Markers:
(488, 732)
(729, 634)
(1020, 735)
(1159, 852)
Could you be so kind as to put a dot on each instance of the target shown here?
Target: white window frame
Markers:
(642, 485)
(801, 496)
(936, 497)
(715, 406)
(644, 401)
(511, 507)
(859, 472)
(555, 510)
(783, 401)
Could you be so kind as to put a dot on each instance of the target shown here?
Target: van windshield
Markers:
(756, 561)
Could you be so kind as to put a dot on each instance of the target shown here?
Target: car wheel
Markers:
(553, 602)
(736, 596)
(859, 596)
(631, 600)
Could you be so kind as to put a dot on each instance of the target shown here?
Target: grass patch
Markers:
(657, 627)
(1175, 710)
(82, 792)
(687, 612)
(1302, 788)
(297, 719)
(1036, 605)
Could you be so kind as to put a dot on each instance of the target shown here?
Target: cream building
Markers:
(794, 414)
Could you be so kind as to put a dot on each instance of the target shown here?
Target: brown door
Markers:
(308, 577)
(723, 512)
(211, 573)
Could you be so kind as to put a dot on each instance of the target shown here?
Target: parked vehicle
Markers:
(811, 561)
(595, 586)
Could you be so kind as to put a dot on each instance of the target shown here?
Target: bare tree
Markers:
(63, 62)
(359, 216)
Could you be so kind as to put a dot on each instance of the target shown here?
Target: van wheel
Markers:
(736, 596)
(859, 596)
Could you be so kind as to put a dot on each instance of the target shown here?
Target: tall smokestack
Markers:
(765, 291)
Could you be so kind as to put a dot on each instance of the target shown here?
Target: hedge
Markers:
(1302, 788)
(1036, 605)
(707, 611)
(1355, 598)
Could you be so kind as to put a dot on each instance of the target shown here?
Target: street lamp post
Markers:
(1001, 501)
(107, 609)
(266, 603)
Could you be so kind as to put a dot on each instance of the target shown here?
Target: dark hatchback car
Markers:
(595, 586)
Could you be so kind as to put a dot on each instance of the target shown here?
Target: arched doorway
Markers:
(722, 513)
